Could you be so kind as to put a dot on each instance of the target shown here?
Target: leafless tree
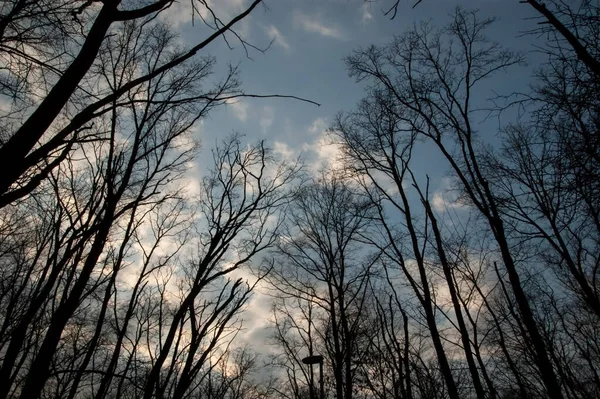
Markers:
(65, 274)
(40, 137)
(536, 200)
(323, 261)
(423, 87)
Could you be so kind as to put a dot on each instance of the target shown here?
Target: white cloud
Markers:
(327, 152)
(181, 12)
(239, 109)
(322, 148)
(177, 14)
(229, 9)
(318, 151)
(366, 15)
(313, 24)
(283, 150)
(319, 126)
(267, 117)
(445, 198)
(280, 40)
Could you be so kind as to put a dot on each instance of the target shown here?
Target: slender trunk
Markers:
(553, 389)
(491, 389)
(38, 372)
(464, 332)
(513, 367)
(477, 188)
(193, 366)
(14, 151)
(580, 49)
(93, 342)
(407, 377)
(424, 298)
(103, 310)
(427, 300)
(19, 334)
(178, 317)
(348, 345)
(107, 377)
(335, 333)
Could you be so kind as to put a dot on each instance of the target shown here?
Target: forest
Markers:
(118, 280)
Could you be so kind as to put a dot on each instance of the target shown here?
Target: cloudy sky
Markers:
(310, 39)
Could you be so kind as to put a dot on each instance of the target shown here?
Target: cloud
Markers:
(319, 126)
(239, 109)
(177, 14)
(446, 198)
(283, 150)
(317, 151)
(267, 117)
(274, 34)
(327, 152)
(313, 24)
(366, 15)
(322, 149)
(182, 12)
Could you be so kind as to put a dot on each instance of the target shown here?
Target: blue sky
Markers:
(310, 40)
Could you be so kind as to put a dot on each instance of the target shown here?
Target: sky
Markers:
(310, 39)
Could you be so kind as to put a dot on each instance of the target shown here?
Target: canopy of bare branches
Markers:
(127, 271)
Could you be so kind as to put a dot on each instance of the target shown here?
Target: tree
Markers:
(98, 296)
(422, 87)
(72, 101)
(323, 261)
(553, 161)
(168, 314)
(546, 179)
(576, 27)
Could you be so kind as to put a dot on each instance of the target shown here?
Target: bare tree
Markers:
(48, 130)
(323, 260)
(538, 198)
(546, 177)
(99, 297)
(96, 199)
(294, 336)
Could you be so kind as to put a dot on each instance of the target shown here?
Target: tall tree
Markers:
(71, 102)
(422, 86)
(323, 260)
